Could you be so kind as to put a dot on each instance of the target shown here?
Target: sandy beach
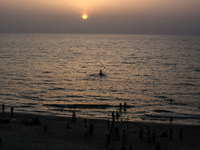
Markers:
(16, 134)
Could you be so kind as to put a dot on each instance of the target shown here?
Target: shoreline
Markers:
(15, 135)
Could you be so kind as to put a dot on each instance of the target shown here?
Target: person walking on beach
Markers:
(130, 148)
(113, 116)
(125, 106)
(108, 137)
(154, 136)
(120, 107)
(45, 128)
(170, 133)
(149, 138)
(3, 108)
(158, 146)
(85, 133)
(124, 136)
(12, 108)
(74, 117)
(91, 130)
(181, 133)
(108, 123)
(85, 121)
(117, 115)
(123, 147)
(116, 134)
(141, 135)
(113, 119)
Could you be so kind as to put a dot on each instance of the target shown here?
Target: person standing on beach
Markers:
(170, 133)
(124, 136)
(154, 136)
(74, 117)
(3, 108)
(84, 121)
(108, 136)
(158, 146)
(12, 108)
(91, 130)
(113, 119)
(125, 106)
(141, 135)
(120, 107)
(130, 148)
(113, 116)
(45, 128)
(123, 147)
(85, 133)
(117, 115)
(108, 123)
(116, 134)
(181, 133)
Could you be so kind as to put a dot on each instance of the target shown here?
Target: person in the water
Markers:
(100, 73)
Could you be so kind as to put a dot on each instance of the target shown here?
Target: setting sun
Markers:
(84, 16)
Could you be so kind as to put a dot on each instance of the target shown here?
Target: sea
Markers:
(156, 76)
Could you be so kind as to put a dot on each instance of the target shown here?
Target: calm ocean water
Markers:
(54, 74)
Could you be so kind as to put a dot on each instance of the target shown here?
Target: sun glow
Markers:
(84, 16)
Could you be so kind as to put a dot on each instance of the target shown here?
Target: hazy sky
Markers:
(104, 16)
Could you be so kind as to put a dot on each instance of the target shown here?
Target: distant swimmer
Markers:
(100, 73)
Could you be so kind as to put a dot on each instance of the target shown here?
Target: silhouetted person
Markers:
(171, 119)
(141, 135)
(45, 128)
(85, 133)
(85, 121)
(154, 136)
(36, 121)
(108, 136)
(124, 136)
(120, 107)
(117, 115)
(91, 130)
(108, 123)
(125, 106)
(68, 126)
(113, 118)
(157, 146)
(130, 148)
(123, 147)
(164, 134)
(100, 73)
(74, 117)
(12, 108)
(170, 133)
(181, 133)
(3, 108)
(116, 134)
(149, 138)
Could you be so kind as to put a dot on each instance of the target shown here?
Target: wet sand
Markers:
(17, 136)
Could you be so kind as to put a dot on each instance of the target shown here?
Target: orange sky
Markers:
(104, 16)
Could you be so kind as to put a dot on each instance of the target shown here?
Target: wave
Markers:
(175, 116)
(162, 111)
(84, 106)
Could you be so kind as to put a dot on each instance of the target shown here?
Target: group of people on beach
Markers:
(113, 131)
(11, 109)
